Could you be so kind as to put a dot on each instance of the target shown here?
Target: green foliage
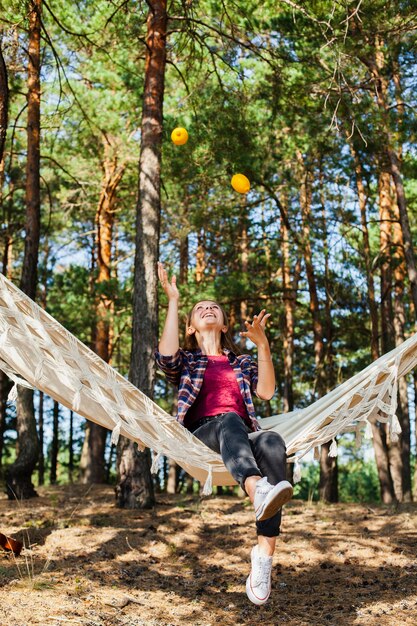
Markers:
(358, 482)
(307, 488)
(358, 478)
(69, 301)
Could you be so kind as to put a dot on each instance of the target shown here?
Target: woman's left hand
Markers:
(256, 331)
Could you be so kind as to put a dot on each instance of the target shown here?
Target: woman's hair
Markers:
(226, 340)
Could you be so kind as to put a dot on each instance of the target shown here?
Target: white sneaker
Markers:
(270, 498)
(258, 583)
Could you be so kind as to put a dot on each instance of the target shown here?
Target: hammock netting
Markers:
(37, 352)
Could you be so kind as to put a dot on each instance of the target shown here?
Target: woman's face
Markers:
(207, 315)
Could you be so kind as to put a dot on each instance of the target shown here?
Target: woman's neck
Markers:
(209, 343)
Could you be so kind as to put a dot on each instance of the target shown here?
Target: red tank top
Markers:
(219, 392)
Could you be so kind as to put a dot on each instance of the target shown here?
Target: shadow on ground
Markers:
(186, 561)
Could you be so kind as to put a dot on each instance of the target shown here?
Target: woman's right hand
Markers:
(170, 288)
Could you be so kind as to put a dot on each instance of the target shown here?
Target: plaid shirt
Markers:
(186, 369)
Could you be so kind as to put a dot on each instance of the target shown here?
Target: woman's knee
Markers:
(270, 441)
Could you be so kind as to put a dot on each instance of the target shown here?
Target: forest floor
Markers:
(186, 562)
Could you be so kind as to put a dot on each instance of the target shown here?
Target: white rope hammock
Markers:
(37, 352)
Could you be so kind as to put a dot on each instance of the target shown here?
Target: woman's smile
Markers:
(205, 311)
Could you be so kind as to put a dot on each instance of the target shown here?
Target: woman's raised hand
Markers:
(256, 331)
(170, 288)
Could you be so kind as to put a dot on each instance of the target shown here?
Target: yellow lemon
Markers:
(179, 136)
(240, 183)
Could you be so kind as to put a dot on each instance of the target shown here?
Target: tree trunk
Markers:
(200, 258)
(399, 273)
(379, 436)
(4, 109)
(243, 243)
(289, 295)
(399, 309)
(41, 432)
(266, 243)
(71, 447)
(54, 444)
(93, 466)
(387, 316)
(330, 377)
(379, 431)
(172, 481)
(385, 244)
(94, 446)
(289, 291)
(362, 199)
(173, 467)
(41, 421)
(328, 484)
(109, 463)
(329, 471)
(134, 489)
(5, 386)
(189, 484)
(328, 465)
(134, 485)
(415, 426)
(19, 474)
(183, 260)
(405, 224)
(305, 205)
(4, 102)
(184, 249)
(32, 227)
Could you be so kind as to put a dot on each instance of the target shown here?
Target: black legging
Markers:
(245, 454)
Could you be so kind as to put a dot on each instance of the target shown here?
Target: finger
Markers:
(164, 277)
(261, 316)
(265, 319)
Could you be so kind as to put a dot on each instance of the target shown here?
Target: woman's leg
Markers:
(267, 545)
(270, 455)
(228, 435)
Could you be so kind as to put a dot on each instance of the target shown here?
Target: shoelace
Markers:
(261, 572)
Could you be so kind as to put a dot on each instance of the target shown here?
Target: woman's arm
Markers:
(266, 375)
(169, 342)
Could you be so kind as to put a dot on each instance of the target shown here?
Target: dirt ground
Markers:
(186, 562)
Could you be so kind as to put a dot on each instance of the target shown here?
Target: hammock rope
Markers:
(37, 352)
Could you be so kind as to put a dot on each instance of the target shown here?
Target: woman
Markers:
(215, 384)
